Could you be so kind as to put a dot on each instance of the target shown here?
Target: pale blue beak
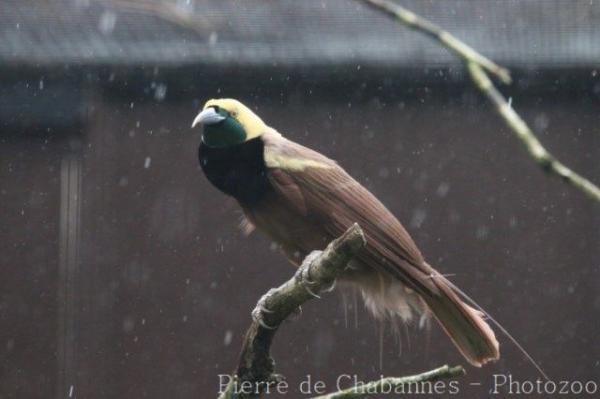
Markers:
(207, 117)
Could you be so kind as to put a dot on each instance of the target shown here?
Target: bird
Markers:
(302, 200)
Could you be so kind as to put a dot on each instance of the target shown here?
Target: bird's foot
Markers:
(258, 314)
(303, 273)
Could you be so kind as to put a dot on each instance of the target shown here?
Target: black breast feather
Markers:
(238, 170)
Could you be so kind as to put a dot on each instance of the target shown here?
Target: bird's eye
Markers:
(216, 108)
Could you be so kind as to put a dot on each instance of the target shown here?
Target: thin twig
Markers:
(477, 65)
(422, 25)
(398, 386)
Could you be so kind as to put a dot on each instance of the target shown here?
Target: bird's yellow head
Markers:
(228, 122)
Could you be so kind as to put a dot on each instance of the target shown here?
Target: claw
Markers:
(303, 273)
(306, 287)
(257, 316)
(265, 325)
(265, 310)
(260, 310)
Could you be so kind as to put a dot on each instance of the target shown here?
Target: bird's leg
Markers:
(258, 314)
(303, 272)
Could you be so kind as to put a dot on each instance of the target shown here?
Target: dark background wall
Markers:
(29, 205)
(164, 282)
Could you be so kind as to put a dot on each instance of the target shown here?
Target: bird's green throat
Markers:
(224, 134)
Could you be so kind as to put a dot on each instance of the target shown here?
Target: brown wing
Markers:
(320, 190)
(315, 188)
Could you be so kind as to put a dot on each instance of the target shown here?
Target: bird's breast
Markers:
(238, 171)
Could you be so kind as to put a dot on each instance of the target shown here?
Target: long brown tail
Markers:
(464, 325)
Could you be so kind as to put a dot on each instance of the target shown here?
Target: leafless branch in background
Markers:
(520, 129)
(479, 67)
(398, 385)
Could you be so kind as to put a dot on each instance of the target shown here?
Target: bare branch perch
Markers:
(477, 65)
(255, 372)
(400, 385)
(316, 274)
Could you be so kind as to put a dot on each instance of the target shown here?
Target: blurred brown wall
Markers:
(165, 282)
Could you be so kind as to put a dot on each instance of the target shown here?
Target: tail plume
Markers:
(465, 325)
(502, 329)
